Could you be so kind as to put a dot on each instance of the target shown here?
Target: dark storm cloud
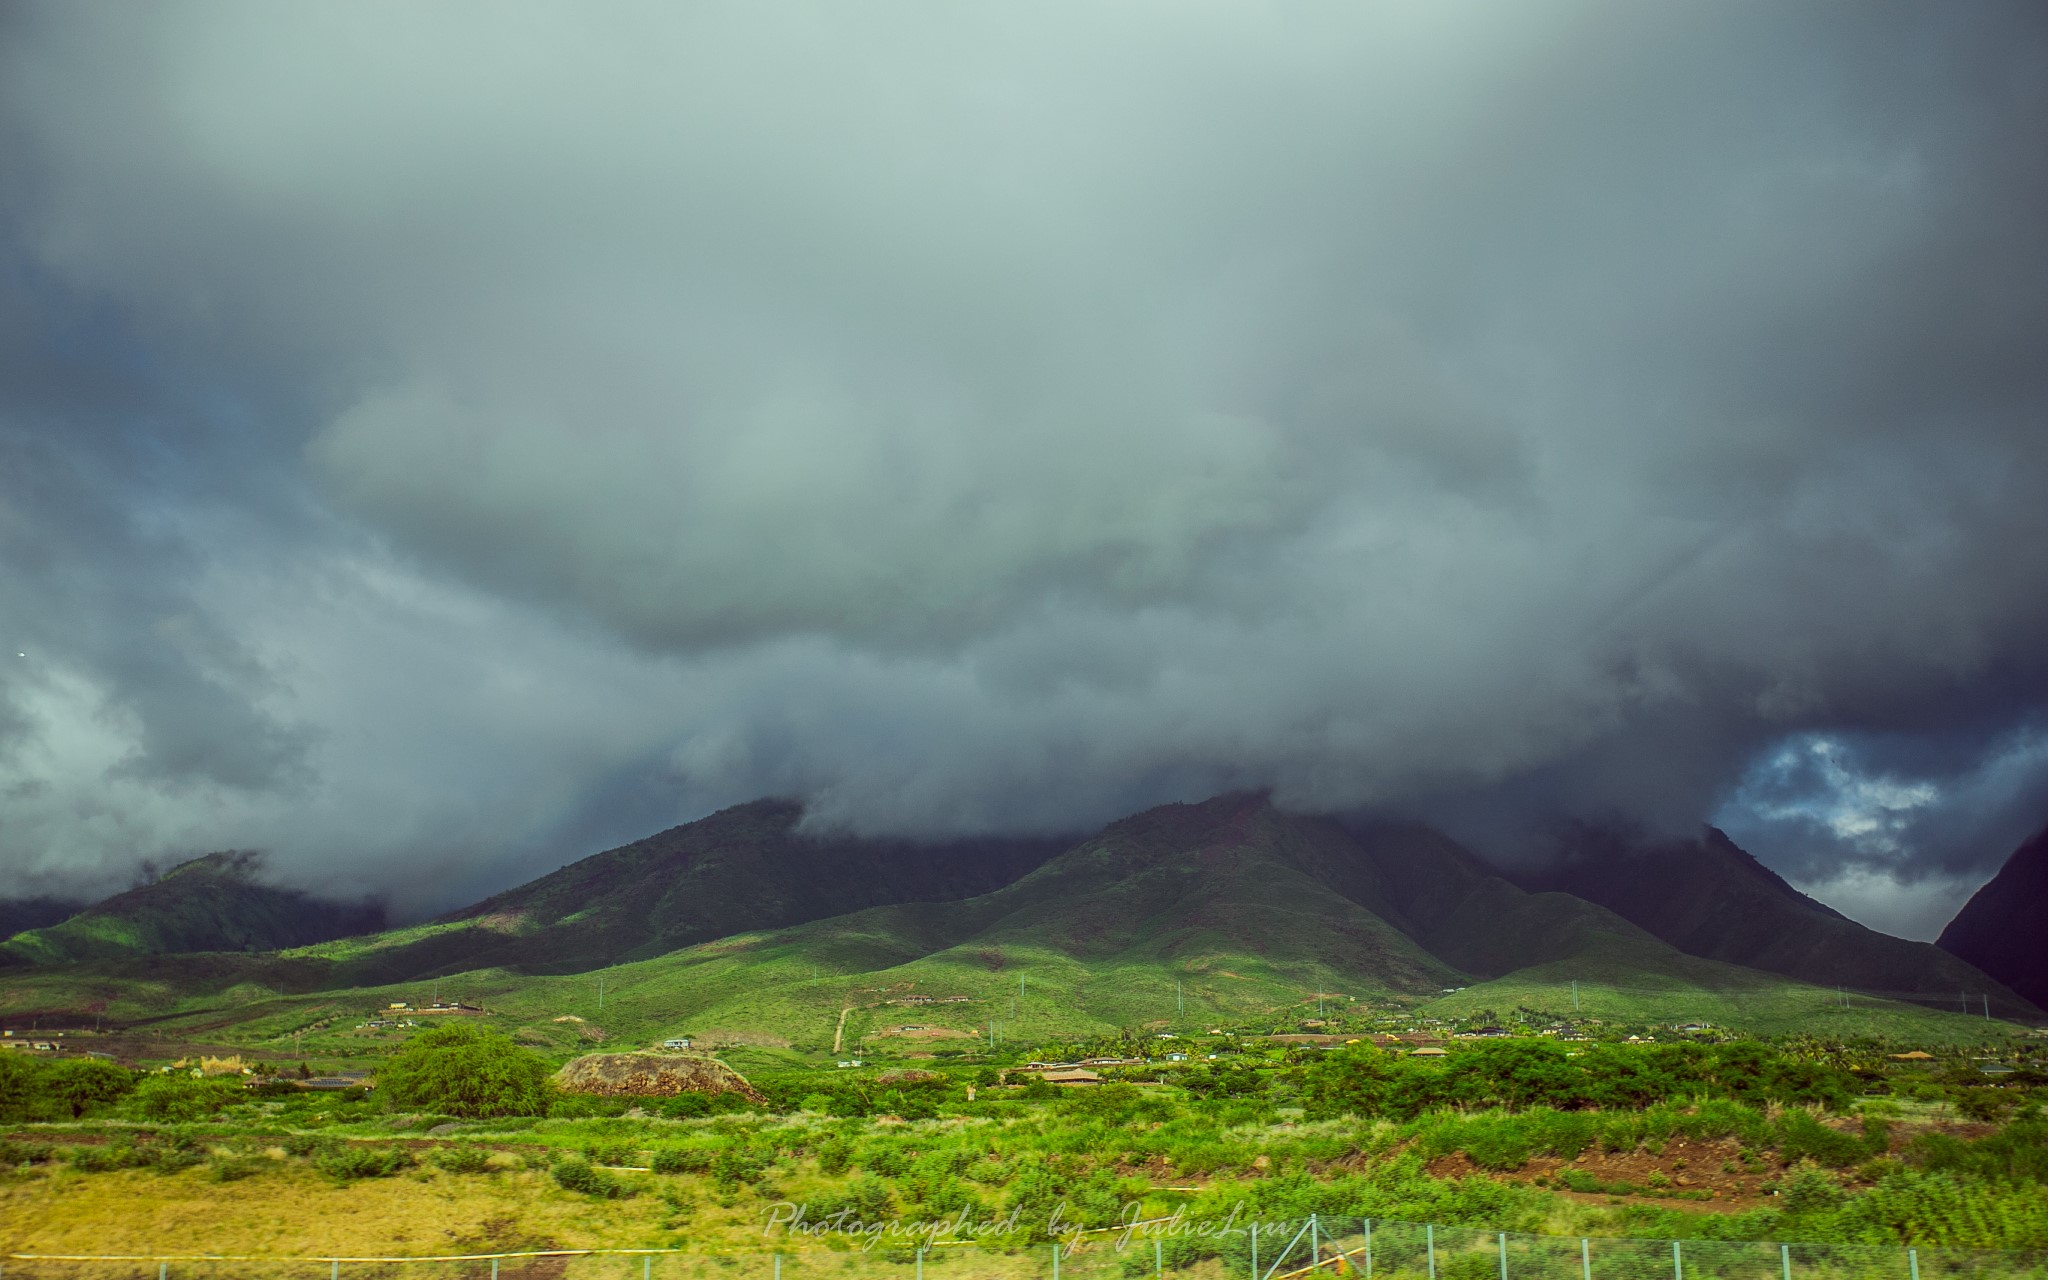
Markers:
(981, 417)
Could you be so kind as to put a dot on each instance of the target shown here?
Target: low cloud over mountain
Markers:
(436, 443)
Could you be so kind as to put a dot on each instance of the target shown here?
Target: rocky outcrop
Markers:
(651, 1075)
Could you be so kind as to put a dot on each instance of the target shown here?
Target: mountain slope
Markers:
(1709, 898)
(741, 869)
(1469, 916)
(213, 903)
(2003, 928)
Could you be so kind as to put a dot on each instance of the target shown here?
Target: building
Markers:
(676, 1042)
(1075, 1076)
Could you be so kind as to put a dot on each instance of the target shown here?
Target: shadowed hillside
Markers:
(20, 914)
(1711, 899)
(2003, 928)
(213, 903)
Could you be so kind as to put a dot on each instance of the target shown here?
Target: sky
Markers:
(440, 442)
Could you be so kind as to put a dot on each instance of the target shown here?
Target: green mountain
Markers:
(745, 868)
(213, 903)
(2001, 929)
(1711, 899)
(740, 927)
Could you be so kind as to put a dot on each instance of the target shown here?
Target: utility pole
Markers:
(1575, 995)
(1179, 1005)
(600, 995)
(1987, 1006)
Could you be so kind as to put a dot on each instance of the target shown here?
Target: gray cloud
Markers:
(980, 418)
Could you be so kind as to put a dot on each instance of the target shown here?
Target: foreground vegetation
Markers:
(466, 1146)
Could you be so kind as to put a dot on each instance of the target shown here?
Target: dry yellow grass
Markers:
(291, 1212)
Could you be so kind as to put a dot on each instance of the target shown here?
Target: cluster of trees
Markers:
(1520, 1074)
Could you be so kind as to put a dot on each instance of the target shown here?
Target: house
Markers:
(1180, 1057)
(676, 1042)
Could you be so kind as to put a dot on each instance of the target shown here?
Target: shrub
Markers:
(470, 1071)
(614, 1153)
(182, 1098)
(681, 1160)
(234, 1168)
(347, 1161)
(1810, 1190)
(463, 1159)
(577, 1175)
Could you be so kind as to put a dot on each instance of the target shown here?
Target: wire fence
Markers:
(1304, 1249)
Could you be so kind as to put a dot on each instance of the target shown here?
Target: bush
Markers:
(681, 1160)
(234, 1168)
(347, 1161)
(470, 1071)
(613, 1153)
(577, 1175)
(183, 1098)
(464, 1159)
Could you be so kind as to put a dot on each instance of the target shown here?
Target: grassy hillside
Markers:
(214, 903)
(1709, 898)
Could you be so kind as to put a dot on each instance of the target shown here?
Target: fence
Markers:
(1316, 1248)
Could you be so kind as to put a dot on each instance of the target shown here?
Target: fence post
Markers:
(334, 1272)
(1585, 1259)
(647, 1266)
(778, 1267)
(1368, 1249)
(1315, 1254)
(1255, 1252)
(1913, 1261)
(1785, 1260)
(1158, 1258)
(163, 1269)
(1677, 1267)
(494, 1267)
(1055, 1260)
(1429, 1240)
(1503, 1255)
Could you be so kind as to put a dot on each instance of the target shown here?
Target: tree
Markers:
(466, 1070)
(82, 1084)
